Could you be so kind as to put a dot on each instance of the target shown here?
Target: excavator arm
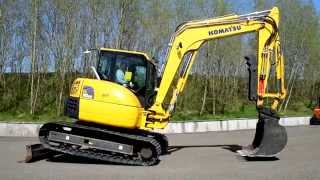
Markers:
(189, 37)
(184, 46)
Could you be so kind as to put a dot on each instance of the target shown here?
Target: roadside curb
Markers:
(31, 130)
(19, 129)
(228, 125)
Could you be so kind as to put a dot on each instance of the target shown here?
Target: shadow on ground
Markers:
(231, 147)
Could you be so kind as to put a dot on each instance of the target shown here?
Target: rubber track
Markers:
(112, 157)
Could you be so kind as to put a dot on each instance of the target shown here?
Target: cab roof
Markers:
(129, 52)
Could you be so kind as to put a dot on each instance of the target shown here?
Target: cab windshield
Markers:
(125, 69)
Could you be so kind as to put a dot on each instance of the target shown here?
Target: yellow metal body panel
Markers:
(110, 104)
(109, 113)
(110, 92)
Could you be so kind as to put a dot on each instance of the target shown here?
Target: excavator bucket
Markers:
(270, 137)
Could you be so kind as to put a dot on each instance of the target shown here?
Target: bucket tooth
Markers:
(270, 137)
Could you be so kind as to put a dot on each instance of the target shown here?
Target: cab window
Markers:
(129, 70)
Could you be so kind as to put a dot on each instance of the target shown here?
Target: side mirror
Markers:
(95, 72)
(88, 51)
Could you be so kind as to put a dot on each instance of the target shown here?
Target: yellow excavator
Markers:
(118, 109)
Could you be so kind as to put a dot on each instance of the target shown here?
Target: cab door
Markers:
(151, 84)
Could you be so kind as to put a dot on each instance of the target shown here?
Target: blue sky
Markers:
(317, 5)
(245, 6)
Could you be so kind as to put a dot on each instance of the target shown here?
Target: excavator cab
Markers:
(123, 89)
(132, 70)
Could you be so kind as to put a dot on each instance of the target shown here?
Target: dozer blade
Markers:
(36, 152)
(270, 137)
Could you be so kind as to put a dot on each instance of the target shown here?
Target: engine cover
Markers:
(104, 102)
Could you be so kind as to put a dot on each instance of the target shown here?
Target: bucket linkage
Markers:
(270, 137)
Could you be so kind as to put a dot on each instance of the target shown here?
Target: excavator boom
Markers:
(189, 37)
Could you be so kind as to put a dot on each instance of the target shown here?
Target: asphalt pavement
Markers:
(193, 156)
